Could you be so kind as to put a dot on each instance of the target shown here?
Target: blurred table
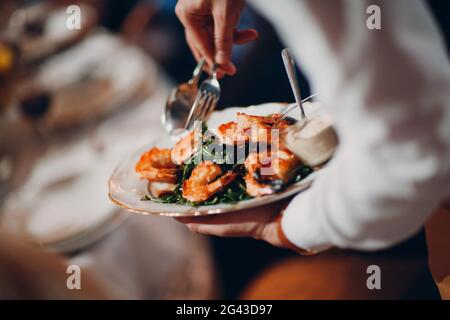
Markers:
(151, 258)
(61, 202)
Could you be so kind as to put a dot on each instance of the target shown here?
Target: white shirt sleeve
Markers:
(389, 91)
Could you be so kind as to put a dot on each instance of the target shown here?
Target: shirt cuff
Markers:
(301, 225)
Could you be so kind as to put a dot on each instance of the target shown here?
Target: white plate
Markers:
(96, 77)
(62, 203)
(126, 189)
(55, 34)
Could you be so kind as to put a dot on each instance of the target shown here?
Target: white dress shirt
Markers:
(389, 91)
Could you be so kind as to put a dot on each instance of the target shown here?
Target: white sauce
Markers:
(313, 140)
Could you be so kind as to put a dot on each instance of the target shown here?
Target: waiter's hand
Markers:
(259, 223)
(210, 28)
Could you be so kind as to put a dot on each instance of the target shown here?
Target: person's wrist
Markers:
(284, 241)
(269, 233)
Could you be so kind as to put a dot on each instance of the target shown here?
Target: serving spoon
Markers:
(289, 65)
(180, 101)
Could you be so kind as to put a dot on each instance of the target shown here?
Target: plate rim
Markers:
(206, 212)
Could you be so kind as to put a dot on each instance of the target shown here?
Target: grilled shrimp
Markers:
(257, 129)
(268, 172)
(156, 165)
(186, 147)
(229, 134)
(206, 180)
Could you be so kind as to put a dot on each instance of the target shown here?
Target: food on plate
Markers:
(237, 161)
(156, 165)
(206, 180)
(186, 147)
(268, 172)
(160, 189)
(256, 129)
(228, 133)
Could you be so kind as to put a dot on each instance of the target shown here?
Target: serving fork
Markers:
(206, 100)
